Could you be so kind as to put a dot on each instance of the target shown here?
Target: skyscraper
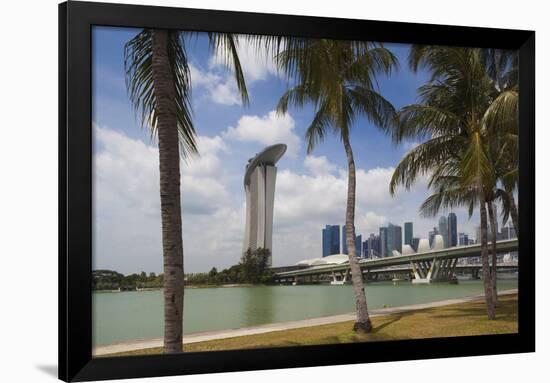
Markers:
(357, 241)
(431, 235)
(508, 232)
(358, 245)
(395, 239)
(365, 250)
(451, 227)
(409, 233)
(383, 241)
(463, 239)
(444, 231)
(415, 243)
(371, 247)
(331, 240)
(259, 186)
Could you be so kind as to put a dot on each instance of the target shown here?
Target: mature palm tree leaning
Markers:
(461, 116)
(338, 78)
(159, 85)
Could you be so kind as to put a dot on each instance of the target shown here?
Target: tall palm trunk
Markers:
(485, 257)
(513, 210)
(493, 222)
(363, 322)
(169, 160)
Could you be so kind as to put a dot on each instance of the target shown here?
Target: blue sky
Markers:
(310, 189)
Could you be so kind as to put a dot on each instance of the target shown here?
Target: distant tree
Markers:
(253, 264)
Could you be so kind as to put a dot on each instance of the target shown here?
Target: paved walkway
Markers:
(212, 335)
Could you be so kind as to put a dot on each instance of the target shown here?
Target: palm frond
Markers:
(316, 131)
(420, 161)
(138, 55)
(226, 45)
(373, 105)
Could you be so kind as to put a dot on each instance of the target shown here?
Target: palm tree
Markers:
(501, 123)
(453, 118)
(159, 85)
(337, 77)
(502, 118)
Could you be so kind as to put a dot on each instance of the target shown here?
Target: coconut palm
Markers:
(338, 78)
(501, 124)
(159, 85)
(452, 117)
(502, 68)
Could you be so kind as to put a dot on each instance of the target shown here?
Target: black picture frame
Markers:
(75, 191)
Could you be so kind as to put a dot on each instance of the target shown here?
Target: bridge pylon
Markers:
(436, 270)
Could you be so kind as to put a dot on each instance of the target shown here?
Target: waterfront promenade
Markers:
(281, 326)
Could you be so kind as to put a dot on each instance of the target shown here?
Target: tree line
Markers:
(112, 280)
(252, 269)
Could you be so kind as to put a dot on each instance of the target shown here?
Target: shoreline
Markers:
(280, 326)
(228, 285)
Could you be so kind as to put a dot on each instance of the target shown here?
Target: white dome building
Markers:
(423, 245)
(438, 243)
(335, 259)
(407, 250)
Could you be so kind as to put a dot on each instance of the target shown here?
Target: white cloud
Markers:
(126, 202)
(221, 88)
(256, 63)
(318, 165)
(267, 130)
(369, 222)
(219, 81)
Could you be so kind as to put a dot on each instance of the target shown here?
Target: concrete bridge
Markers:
(426, 267)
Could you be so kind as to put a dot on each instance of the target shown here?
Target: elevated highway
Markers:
(426, 267)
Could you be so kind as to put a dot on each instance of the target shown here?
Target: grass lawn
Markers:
(453, 320)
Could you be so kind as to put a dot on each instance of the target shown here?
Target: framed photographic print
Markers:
(246, 191)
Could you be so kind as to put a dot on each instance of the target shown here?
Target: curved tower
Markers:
(259, 186)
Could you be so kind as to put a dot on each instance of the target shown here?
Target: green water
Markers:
(125, 316)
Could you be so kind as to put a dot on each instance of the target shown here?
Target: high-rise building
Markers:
(409, 233)
(442, 228)
(415, 243)
(463, 239)
(452, 230)
(508, 232)
(359, 245)
(331, 240)
(259, 186)
(431, 235)
(365, 251)
(395, 239)
(371, 247)
(357, 241)
(383, 241)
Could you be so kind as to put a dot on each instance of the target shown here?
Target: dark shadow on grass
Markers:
(394, 319)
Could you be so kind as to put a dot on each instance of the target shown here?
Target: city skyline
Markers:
(310, 190)
(391, 237)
